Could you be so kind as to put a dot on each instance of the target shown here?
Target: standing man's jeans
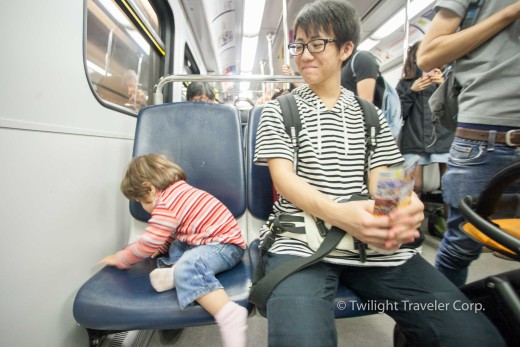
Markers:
(470, 166)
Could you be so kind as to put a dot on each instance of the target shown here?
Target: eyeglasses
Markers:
(313, 46)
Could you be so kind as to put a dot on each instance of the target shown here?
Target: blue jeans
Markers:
(470, 166)
(196, 267)
(426, 305)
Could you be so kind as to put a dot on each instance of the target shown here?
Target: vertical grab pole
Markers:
(262, 72)
(285, 38)
(138, 80)
(270, 39)
(406, 40)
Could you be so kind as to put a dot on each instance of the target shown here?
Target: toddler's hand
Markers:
(110, 260)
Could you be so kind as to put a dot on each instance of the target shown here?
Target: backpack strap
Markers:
(372, 128)
(261, 288)
(293, 125)
(352, 64)
(292, 122)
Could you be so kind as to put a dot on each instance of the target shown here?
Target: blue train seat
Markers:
(205, 140)
(259, 206)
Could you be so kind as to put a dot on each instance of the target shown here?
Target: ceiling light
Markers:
(396, 21)
(253, 13)
(367, 45)
(248, 53)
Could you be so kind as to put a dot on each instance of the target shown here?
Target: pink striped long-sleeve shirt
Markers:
(185, 213)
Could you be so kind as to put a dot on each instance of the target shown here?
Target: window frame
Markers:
(161, 64)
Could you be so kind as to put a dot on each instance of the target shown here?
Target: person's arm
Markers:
(407, 98)
(355, 217)
(408, 93)
(156, 239)
(288, 71)
(366, 88)
(442, 43)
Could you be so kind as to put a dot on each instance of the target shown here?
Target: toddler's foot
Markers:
(162, 279)
(232, 322)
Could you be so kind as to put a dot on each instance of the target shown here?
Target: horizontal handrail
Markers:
(158, 97)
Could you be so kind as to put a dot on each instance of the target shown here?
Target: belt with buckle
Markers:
(510, 138)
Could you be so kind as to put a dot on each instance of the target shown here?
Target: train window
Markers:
(123, 52)
(190, 66)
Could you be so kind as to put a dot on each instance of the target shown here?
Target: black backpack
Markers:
(263, 284)
(292, 122)
(386, 98)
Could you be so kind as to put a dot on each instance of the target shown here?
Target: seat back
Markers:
(205, 140)
(259, 187)
(194, 136)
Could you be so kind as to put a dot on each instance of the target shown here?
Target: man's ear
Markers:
(346, 50)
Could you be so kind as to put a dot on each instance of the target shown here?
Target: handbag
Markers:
(444, 102)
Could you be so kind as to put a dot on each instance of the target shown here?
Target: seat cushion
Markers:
(116, 299)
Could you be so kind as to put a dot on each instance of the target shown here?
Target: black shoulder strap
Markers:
(292, 122)
(372, 127)
(293, 125)
(372, 124)
(291, 117)
(261, 288)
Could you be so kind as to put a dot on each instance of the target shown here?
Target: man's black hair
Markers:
(337, 18)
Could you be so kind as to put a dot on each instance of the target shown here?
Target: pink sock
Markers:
(232, 322)
(162, 279)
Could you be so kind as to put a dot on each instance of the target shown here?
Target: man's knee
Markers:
(300, 321)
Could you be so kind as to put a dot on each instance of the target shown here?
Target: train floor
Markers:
(367, 331)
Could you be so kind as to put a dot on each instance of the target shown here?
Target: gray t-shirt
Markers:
(490, 75)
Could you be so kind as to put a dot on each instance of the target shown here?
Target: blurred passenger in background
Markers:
(136, 96)
(288, 71)
(421, 135)
(359, 75)
(200, 92)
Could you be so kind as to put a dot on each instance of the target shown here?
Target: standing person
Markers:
(421, 135)
(200, 92)
(330, 165)
(206, 240)
(288, 71)
(359, 75)
(136, 96)
(487, 137)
